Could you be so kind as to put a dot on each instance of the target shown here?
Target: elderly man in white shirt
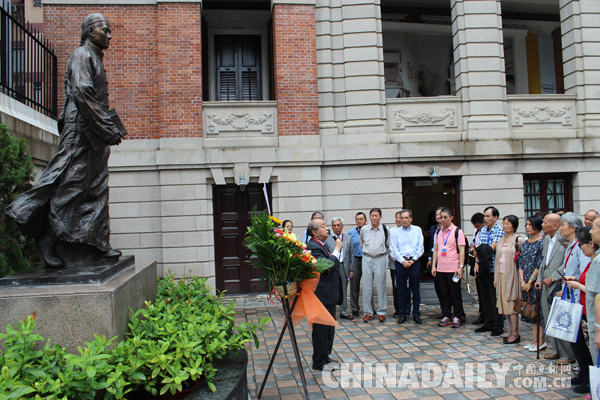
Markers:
(406, 247)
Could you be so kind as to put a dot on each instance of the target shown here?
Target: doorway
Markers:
(423, 197)
(232, 208)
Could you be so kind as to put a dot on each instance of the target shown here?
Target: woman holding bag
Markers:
(506, 276)
(528, 262)
(582, 352)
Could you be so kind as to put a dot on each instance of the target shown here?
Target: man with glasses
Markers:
(490, 234)
(406, 247)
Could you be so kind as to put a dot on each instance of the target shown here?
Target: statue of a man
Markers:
(67, 210)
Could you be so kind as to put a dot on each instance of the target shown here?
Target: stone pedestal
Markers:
(70, 314)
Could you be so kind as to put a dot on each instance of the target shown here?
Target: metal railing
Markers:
(28, 65)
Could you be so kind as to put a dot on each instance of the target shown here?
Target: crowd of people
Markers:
(510, 270)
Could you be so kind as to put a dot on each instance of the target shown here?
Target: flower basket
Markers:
(287, 288)
(280, 255)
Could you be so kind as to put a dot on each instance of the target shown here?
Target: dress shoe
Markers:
(463, 319)
(484, 329)
(382, 318)
(565, 362)
(478, 321)
(417, 320)
(497, 332)
(402, 319)
(396, 315)
(355, 313)
(112, 254)
(367, 317)
(329, 360)
(506, 341)
(347, 316)
(46, 249)
(551, 356)
(582, 388)
(575, 381)
(324, 368)
(439, 316)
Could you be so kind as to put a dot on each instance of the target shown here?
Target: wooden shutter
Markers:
(238, 67)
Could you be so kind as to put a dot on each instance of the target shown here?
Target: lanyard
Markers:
(569, 255)
(321, 243)
(445, 239)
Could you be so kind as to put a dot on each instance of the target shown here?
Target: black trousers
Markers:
(478, 287)
(582, 354)
(322, 338)
(488, 298)
(450, 294)
(395, 291)
(413, 275)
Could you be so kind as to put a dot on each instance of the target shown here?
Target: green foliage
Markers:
(281, 256)
(172, 342)
(16, 170)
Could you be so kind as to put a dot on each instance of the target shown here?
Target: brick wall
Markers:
(296, 69)
(180, 69)
(153, 64)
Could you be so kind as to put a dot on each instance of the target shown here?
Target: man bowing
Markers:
(327, 292)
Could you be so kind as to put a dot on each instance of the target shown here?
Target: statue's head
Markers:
(95, 28)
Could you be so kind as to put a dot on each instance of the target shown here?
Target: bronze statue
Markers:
(67, 209)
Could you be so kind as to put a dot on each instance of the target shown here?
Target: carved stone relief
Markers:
(542, 115)
(240, 122)
(444, 117)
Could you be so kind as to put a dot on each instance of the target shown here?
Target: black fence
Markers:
(28, 66)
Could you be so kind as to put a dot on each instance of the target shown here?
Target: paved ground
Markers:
(430, 362)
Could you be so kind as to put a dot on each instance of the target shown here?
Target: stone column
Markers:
(479, 67)
(351, 82)
(580, 24)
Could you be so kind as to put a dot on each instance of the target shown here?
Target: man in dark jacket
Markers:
(69, 203)
(328, 291)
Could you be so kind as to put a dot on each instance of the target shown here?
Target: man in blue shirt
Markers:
(406, 247)
(490, 234)
(356, 275)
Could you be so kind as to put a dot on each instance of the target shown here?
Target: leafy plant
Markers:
(172, 343)
(278, 254)
(16, 170)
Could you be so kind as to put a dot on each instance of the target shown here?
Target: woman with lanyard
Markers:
(580, 383)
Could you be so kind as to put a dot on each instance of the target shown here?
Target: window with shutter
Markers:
(238, 67)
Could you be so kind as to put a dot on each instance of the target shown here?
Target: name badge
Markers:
(444, 252)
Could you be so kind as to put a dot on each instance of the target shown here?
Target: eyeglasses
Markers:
(581, 244)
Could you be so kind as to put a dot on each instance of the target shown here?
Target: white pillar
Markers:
(479, 67)
(580, 24)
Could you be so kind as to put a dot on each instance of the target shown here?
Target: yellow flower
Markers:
(277, 220)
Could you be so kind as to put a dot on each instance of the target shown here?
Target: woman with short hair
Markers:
(506, 276)
(582, 352)
(528, 262)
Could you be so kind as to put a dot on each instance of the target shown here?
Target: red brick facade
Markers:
(130, 60)
(154, 65)
(294, 32)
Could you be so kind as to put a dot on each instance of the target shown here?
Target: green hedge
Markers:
(16, 170)
(172, 342)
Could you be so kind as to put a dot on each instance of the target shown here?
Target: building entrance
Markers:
(423, 197)
(232, 208)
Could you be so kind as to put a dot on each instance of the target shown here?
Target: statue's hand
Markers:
(114, 140)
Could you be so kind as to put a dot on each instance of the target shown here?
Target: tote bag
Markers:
(595, 380)
(564, 318)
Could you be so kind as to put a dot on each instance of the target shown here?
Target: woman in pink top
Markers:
(506, 277)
